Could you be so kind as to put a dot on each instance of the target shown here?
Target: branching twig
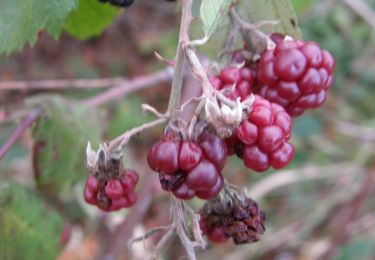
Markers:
(124, 138)
(126, 87)
(56, 84)
(25, 123)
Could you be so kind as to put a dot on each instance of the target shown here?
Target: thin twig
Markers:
(56, 84)
(175, 97)
(118, 91)
(148, 234)
(24, 125)
(363, 10)
(124, 138)
(162, 242)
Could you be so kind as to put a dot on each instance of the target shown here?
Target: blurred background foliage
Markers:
(326, 193)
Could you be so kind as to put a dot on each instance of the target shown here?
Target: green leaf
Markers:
(280, 10)
(60, 140)
(90, 19)
(212, 13)
(29, 230)
(20, 21)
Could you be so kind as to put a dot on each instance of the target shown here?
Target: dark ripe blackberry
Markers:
(171, 182)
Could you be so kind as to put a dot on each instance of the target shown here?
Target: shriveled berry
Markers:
(217, 235)
(171, 182)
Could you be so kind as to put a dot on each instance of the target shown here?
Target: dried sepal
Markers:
(225, 119)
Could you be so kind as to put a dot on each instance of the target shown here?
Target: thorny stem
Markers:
(25, 123)
(175, 96)
(124, 138)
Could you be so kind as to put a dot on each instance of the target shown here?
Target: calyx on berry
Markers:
(109, 186)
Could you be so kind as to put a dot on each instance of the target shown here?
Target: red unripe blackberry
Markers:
(129, 179)
(262, 139)
(89, 196)
(184, 192)
(296, 75)
(197, 172)
(92, 184)
(190, 155)
(163, 156)
(204, 176)
(114, 189)
(111, 193)
(132, 198)
(214, 148)
(237, 82)
(212, 192)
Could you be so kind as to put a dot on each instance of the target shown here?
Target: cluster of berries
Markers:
(109, 186)
(288, 79)
(112, 194)
(239, 219)
(189, 168)
(295, 74)
(261, 140)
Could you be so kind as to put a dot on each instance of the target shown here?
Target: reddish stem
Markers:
(25, 123)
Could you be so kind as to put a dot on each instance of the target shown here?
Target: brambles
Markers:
(236, 217)
(189, 168)
(296, 75)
